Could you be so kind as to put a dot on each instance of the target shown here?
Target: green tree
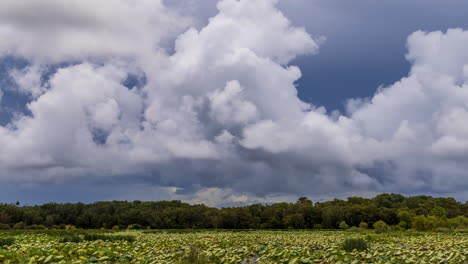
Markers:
(405, 216)
(403, 224)
(458, 222)
(295, 221)
(439, 212)
(425, 223)
(304, 200)
(420, 223)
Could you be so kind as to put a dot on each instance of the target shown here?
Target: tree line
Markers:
(419, 212)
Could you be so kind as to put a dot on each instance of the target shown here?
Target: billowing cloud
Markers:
(56, 31)
(216, 115)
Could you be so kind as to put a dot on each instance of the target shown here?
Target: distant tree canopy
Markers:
(421, 212)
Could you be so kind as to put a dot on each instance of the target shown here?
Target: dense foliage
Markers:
(351, 244)
(44, 246)
(388, 210)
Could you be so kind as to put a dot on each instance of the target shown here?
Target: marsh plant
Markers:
(193, 256)
(359, 244)
(7, 241)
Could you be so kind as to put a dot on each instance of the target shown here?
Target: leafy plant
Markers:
(135, 226)
(397, 228)
(351, 244)
(71, 238)
(93, 237)
(36, 227)
(19, 225)
(363, 225)
(7, 241)
(193, 256)
(381, 227)
(226, 246)
(344, 225)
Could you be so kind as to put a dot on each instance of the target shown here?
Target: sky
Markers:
(232, 102)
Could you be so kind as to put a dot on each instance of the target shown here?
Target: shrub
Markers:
(403, 224)
(318, 226)
(4, 226)
(7, 241)
(458, 222)
(193, 256)
(116, 227)
(355, 229)
(19, 225)
(351, 244)
(135, 226)
(344, 225)
(412, 231)
(71, 238)
(397, 228)
(442, 229)
(36, 227)
(70, 227)
(420, 223)
(381, 227)
(363, 225)
(423, 223)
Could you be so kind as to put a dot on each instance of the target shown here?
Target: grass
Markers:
(351, 244)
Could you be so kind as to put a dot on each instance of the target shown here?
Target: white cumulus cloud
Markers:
(218, 111)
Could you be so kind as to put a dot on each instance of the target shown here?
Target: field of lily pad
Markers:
(229, 247)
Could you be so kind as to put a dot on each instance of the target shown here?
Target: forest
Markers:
(387, 211)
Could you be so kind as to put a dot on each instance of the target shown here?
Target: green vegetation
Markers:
(397, 211)
(7, 241)
(343, 225)
(72, 238)
(95, 236)
(193, 256)
(76, 237)
(381, 227)
(250, 246)
(351, 244)
(363, 225)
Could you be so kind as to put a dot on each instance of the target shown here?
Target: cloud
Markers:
(53, 31)
(216, 117)
(228, 107)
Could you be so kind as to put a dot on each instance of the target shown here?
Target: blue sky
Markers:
(216, 119)
(366, 43)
